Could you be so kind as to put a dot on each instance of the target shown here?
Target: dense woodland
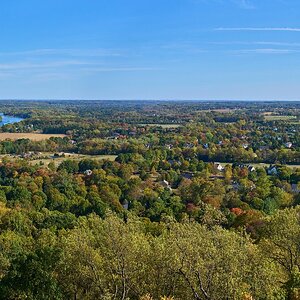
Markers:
(201, 202)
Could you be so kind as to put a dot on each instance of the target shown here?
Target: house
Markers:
(187, 175)
(132, 133)
(251, 168)
(88, 172)
(166, 185)
(173, 162)
(295, 188)
(264, 148)
(218, 166)
(189, 145)
(241, 166)
(235, 185)
(288, 145)
(272, 170)
(125, 204)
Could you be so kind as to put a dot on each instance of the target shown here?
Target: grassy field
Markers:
(58, 160)
(279, 118)
(31, 136)
(45, 158)
(257, 165)
(267, 165)
(162, 125)
(219, 110)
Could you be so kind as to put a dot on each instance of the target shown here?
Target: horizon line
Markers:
(159, 100)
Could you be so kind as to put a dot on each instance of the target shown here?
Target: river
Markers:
(9, 119)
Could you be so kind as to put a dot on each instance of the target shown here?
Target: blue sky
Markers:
(150, 49)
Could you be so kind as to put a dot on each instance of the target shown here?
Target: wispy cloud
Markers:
(264, 51)
(285, 44)
(262, 43)
(64, 52)
(120, 69)
(292, 29)
(55, 70)
(43, 65)
(244, 4)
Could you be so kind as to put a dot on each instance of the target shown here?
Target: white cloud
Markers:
(43, 65)
(54, 70)
(244, 4)
(293, 29)
(120, 69)
(65, 52)
(265, 51)
(263, 43)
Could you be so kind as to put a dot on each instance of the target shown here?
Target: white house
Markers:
(88, 172)
(218, 166)
(288, 145)
(166, 185)
(251, 168)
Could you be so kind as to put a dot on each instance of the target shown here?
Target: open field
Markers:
(267, 165)
(261, 165)
(58, 160)
(31, 136)
(219, 110)
(45, 158)
(162, 125)
(279, 118)
(224, 110)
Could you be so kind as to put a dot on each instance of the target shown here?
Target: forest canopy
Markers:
(150, 201)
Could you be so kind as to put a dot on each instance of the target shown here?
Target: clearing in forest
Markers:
(32, 136)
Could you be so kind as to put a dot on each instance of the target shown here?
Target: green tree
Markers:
(281, 243)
